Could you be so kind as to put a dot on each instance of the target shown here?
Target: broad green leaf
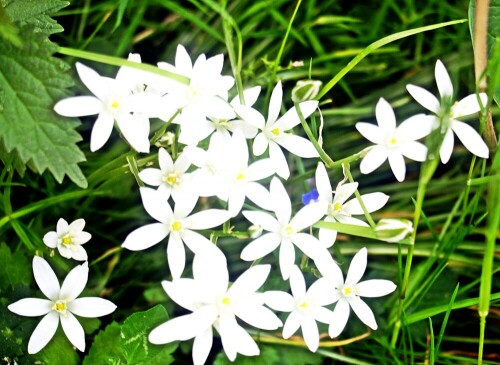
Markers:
(58, 351)
(31, 81)
(134, 338)
(105, 348)
(9, 31)
(15, 269)
(275, 355)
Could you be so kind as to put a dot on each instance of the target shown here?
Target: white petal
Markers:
(397, 163)
(292, 324)
(281, 201)
(250, 281)
(62, 227)
(83, 237)
(184, 327)
(201, 346)
(275, 104)
(424, 98)
(279, 300)
(308, 215)
(43, 332)
(207, 219)
(291, 118)
(470, 139)
(78, 106)
(344, 192)
(330, 270)
(447, 146)
(91, 307)
(156, 205)
(469, 105)
(31, 307)
(250, 116)
(371, 132)
(339, 318)
(375, 288)
(373, 159)
(443, 81)
(327, 237)
(182, 291)
(50, 239)
(323, 184)
(322, 292)
(417, 126)
(183, 62)
(235, 201)
(415, 151)
(260, 144)
(323, 314)
(310, 333)
(151, 176)
(258, 316)
(210, 271)
(372, 202)
(165, 161)
(75, 282)
(236, 340)
(386, 118)
(260, 169)
(309, 245)
(286, 258)
(94, 82)
(145, 237)
(77, 225)
(176, 255)
(45, 278)
(357, 267)
(265, 220)
(74, 331)
(363, 312)
(197, 242)
(297, 283)
(259, 195)
(279, 160)
(345, 219)
(297, 145)
(101, 130)
(184, 204)
(135, 129)
(260, 247)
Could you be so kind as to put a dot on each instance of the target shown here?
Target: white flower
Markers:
(171, 178)
(285, 232)
(61, 305)
(393, 230)
(178, 224)
(69, 239)
(468, 105)
(275, 132)
(349, 294)
(338, 209)
(205, 96)
(214, 304)
(393, 143)
(306, 307)
(115, 99)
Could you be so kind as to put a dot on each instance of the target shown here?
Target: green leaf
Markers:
(134, 338)
(275, 355)
(105, 348)
(31, 81)
(9, 31)
(58, 351)
(15, 269)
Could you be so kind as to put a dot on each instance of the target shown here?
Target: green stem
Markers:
(358, 196)
(116, 61)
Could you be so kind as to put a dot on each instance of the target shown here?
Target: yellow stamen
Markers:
(347, 291)
(304, 305)
(115, 104)
(240, 177)
(226, 301)
(275, 131)
(289, 230)
(60, 306)
(67, 240)
(172, 179)
(176, 226)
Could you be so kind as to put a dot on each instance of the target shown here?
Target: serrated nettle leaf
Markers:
(9, 31)
(25, 10)
(105, 349)
(31, 81)
(134, 336)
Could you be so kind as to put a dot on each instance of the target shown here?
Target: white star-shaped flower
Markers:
(205, 96)
(115, 99)
(69, 239)
(275, 132)
(62, 304)
(349, 293)
(306, 307)
(214, 304)
(468, 105)
(178, 224)
(338, 209)
(284, 231)
(171, 178)
(393, 142)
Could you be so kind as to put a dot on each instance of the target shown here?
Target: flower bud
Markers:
(393, 230)
(255, 230)
(305, 90)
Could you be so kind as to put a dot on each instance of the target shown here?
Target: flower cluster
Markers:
(211, 159)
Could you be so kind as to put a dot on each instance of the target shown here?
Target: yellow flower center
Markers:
(67, 240)
(337, 207)
(275, 131)
(348, 291)
(176, 226)
(226, 301)
(172, 179)
(304, 305)
(288, 231)
(393, 141)
(115, 104)
(60, 306)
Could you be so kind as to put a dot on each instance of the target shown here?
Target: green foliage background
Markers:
(38, 149)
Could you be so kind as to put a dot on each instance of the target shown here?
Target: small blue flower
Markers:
(309, 197)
